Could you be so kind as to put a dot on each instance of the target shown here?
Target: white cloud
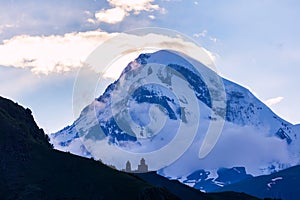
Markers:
(201, 34)
(151, 16)
(53, 53)
(111, 16)
(61, 53)
(136, 45)
(204, 34)
(25, 59)
(273, 101)
(6, 26)
(133, 5)
(213, 39)
(122, 8)
(123, 48)
(240, 151)
(237, 146)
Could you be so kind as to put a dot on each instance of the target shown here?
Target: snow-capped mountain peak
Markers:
(162, 107)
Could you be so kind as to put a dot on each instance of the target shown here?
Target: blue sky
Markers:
(256, 44)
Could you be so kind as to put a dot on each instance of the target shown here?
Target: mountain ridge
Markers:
(247, 119)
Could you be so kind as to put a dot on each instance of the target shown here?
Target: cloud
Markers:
(122, 49)
(204, 34)
(122, 8)
(246, 146)
(273, 101)
(6, 26)
(151, 16)
(55, 53)
(111, 16)
(237, 146)
(121, 53)
(61, 53)
(213, 39)
(136, 6)
(201, 34)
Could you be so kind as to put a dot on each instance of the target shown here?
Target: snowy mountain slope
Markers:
(145, 117)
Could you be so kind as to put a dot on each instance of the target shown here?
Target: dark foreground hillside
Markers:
(31, 169)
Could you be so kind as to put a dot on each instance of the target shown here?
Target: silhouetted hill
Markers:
(31, 169)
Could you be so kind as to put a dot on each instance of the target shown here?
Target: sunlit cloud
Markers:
(148, 43)
(124, 48)
(151, 16)
(135, 6)
(55, 53)
(62, 53)
(117, 66)
(273, 101)
(122, 8)
(111, 16)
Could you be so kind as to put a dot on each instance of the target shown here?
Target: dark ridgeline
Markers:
(31, 169)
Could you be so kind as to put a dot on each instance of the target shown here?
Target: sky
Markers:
(44, 43)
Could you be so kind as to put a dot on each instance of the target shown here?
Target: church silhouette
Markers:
(142, 167)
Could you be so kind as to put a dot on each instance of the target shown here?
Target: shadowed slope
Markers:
(31, 169)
